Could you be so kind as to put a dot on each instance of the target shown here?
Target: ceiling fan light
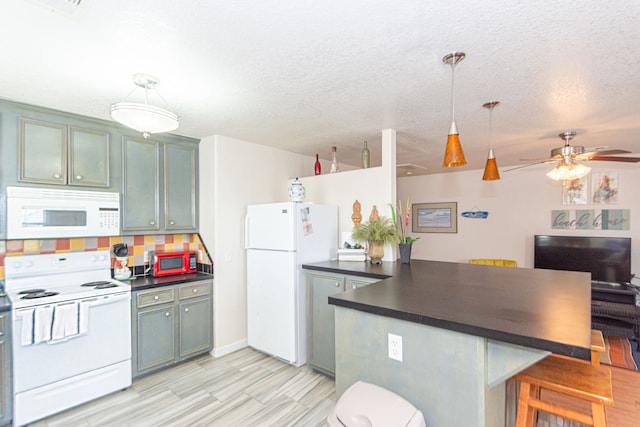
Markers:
(453, 154)
(491, 168)
(568, 171)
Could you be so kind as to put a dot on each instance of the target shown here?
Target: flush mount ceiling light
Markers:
(491, 168)
(567, 168)
(453, 154)
(145, 118)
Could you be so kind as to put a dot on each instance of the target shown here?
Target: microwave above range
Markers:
(34, 213)
(171, 263)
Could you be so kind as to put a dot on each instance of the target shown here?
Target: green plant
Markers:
(404, 239)
(376, 230)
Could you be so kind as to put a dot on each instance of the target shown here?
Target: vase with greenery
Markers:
(376, 232)
(403, 227)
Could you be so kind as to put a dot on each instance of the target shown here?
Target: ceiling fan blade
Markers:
(616, 159)
(545, 160)
(527, 165)
(590, 154)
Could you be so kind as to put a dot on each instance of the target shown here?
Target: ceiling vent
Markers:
(70, 8)
(409, 169)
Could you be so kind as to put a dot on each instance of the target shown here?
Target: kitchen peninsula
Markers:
(465, 330)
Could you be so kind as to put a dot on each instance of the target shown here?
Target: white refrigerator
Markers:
(279, 238)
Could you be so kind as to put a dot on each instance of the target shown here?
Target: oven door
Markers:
(106, 342)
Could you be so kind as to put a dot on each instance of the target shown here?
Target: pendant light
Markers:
(145, 118)
(453, 154)
(491, 168)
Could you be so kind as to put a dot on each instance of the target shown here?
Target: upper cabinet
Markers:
(159, 174)
(52, 153)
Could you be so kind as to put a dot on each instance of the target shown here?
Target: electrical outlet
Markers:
(395, 347)
(200, 255)
(146, 257)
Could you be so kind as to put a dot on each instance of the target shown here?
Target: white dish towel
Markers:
(26, 336)
(42, 320)
(65, 322)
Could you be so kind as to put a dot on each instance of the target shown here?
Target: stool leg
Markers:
(526, 415)
(599, 416)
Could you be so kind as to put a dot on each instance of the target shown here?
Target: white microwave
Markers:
(51, 213)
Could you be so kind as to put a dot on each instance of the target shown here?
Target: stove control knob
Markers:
(94, 258)
(103, 257)
(28, 264)
(17, 264)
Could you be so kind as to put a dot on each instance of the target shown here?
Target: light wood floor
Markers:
(247, 388)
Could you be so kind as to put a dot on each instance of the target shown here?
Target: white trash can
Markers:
(368, 405)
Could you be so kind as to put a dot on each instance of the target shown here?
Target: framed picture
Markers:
(604, 188)
(435, 217)
(575, 191)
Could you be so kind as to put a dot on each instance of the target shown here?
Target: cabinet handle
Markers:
(186, 310)
(195, 290)
(172, 223)
(152, 222)
(156, 298)
(353, 286)
(57, 176)
(78, 177)
(167, 314)
(337, 284)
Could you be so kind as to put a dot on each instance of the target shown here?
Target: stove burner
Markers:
(101, 284)
(30, 291)
(39, 294)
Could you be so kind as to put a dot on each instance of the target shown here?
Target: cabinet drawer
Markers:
(193, 290)
(155, 297)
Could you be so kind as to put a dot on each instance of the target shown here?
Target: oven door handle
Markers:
(106, 299)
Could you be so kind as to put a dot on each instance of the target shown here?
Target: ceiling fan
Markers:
(567, 156)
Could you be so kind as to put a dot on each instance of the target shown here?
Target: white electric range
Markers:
(71, 331)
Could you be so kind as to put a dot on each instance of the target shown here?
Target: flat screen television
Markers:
(608, 259)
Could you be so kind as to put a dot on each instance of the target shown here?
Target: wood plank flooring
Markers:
(248, 388)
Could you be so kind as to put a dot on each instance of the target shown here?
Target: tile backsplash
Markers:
(138, 245)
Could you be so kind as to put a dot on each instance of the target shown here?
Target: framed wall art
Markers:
(435, 217)
(604, 188)
(575, 191)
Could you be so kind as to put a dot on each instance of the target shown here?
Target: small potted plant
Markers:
(405, 240)
(376, 232)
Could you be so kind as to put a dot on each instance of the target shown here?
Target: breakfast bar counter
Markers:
(465, 330)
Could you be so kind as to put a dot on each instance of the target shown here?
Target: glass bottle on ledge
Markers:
(334, 161)
(317, 169)
(366, 156)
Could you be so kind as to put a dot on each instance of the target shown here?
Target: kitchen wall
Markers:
(519, 207)
(234, 174)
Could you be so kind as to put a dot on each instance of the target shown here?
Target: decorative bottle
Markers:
(366, 156)
(296, 191)
(316, 167)
(334, 161)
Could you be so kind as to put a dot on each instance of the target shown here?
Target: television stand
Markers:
(614, 310)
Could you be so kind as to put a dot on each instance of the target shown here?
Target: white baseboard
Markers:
(228, 349)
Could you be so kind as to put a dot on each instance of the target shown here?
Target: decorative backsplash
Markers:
(138, 245)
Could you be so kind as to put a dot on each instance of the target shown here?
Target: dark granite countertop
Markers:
(148, 282)
(5, 303)
(544, 309)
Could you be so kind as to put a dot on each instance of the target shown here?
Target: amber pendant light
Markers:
(491, 168)
(453, 154)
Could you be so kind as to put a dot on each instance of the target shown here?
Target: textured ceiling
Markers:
(303, 76)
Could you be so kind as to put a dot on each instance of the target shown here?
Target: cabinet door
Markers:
(322, 322)
(88, 157)
(195, 326)
(141, 185)
(155, 337)
(6, 395)
(43, 152)
(180, 187)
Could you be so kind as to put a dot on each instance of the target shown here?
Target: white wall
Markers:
(234, 174)
(519, 206)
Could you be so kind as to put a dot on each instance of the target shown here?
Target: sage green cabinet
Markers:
(170, 324)
(6, 395)
(320, 316)
(155, 175)
(53, 153)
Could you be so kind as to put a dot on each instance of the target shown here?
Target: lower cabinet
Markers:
(170, 324)
(321, 354)
(6, 395)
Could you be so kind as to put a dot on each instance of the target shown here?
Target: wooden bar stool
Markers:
(567, 376)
